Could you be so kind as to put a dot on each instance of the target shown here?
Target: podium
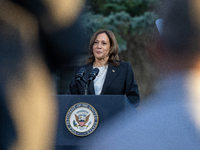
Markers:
(106, 106)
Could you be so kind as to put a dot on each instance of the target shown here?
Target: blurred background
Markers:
(133, 23)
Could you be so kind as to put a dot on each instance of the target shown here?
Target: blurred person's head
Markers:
(62, 35)
(34, 42)
(103, 44)
(179, 35)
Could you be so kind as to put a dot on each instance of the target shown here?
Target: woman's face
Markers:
(101, 46)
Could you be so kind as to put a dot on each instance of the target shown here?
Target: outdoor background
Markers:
(133, 23)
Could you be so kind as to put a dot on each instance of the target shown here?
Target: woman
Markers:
(114, 78)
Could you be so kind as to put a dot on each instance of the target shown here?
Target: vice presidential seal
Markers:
(82, 119)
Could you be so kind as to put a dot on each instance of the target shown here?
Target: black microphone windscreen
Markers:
(93, 74)
(82, 70)
(95, 70)
(80, 74)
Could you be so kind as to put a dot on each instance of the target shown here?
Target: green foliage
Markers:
(133, 7)
(123, 17)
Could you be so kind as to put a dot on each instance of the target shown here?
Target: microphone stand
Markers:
(86, 88)
(86, 83)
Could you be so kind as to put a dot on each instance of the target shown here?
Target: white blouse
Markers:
(99, 80)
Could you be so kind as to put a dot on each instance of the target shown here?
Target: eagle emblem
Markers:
(82, 119)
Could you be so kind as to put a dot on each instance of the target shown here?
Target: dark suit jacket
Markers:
(118, 81)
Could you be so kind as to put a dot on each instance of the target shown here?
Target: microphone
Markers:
(93, 74)
(80, 74)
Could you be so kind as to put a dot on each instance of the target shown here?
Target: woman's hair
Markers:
(113, 54)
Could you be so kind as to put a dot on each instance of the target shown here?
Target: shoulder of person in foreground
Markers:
(157, 127)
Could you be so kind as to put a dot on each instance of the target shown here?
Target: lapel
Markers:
(112, 73)
(89, 69)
